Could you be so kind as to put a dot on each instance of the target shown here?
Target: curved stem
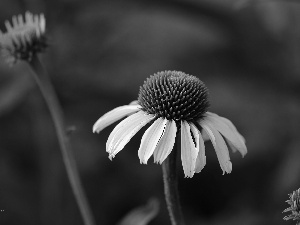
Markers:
(49, 95)
(171, 186)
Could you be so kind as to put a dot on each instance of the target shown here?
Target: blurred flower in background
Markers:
(23, 38)
(294, 208)
(142, 215)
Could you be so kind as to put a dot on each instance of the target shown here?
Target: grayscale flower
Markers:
(294, 208)
(24, 37)
(174, 102)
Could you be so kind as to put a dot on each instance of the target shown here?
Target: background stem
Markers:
(49, 95)
(171, 186)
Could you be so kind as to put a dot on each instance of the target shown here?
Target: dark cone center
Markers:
(174, 95)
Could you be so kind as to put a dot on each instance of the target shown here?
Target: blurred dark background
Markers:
(247, 53)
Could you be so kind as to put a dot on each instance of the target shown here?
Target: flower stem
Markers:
(171, 186)
(49, 95)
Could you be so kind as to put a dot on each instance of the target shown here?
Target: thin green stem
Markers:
(170, 178)
(49, 95)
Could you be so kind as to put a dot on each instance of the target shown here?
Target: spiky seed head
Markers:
(174, 95)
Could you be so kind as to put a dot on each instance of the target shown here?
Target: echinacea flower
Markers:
(23, 38)
(174, 102)
(294, 208)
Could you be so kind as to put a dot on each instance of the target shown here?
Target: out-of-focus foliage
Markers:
(141, 215)
(247, 53)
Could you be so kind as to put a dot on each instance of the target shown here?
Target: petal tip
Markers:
(189, 175)
(143, 162)
(156, 161)
(111, 156)
(228, 168)
(96, 129)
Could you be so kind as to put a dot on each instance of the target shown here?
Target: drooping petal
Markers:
(229, 131)
(166, 143)
(219, 145)
(135, 102)
(42, 23)
(205, 136)
(201, 158)
(113, 116)
(125, 130)
(188, 150)
(29, 17)
(228, 122)
(15, 22)
(21, 22)
(8, 26)
(150, 139)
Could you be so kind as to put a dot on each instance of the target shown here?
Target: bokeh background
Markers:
(246, 51)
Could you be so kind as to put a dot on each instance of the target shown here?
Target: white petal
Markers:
(228, 122)
(113, 116)
(166, 143)
(150, 139)
(27, 37)
(201, 158)
(20, 19)
(188, 150)
(16, 40)
(15, 22)
(8, 26)
(135, 102)
(36, 20)
(29, 18)
(229, 131)
(219, 145)
(196, 134)
(205, 136)
(125, 130)
(42, 23)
